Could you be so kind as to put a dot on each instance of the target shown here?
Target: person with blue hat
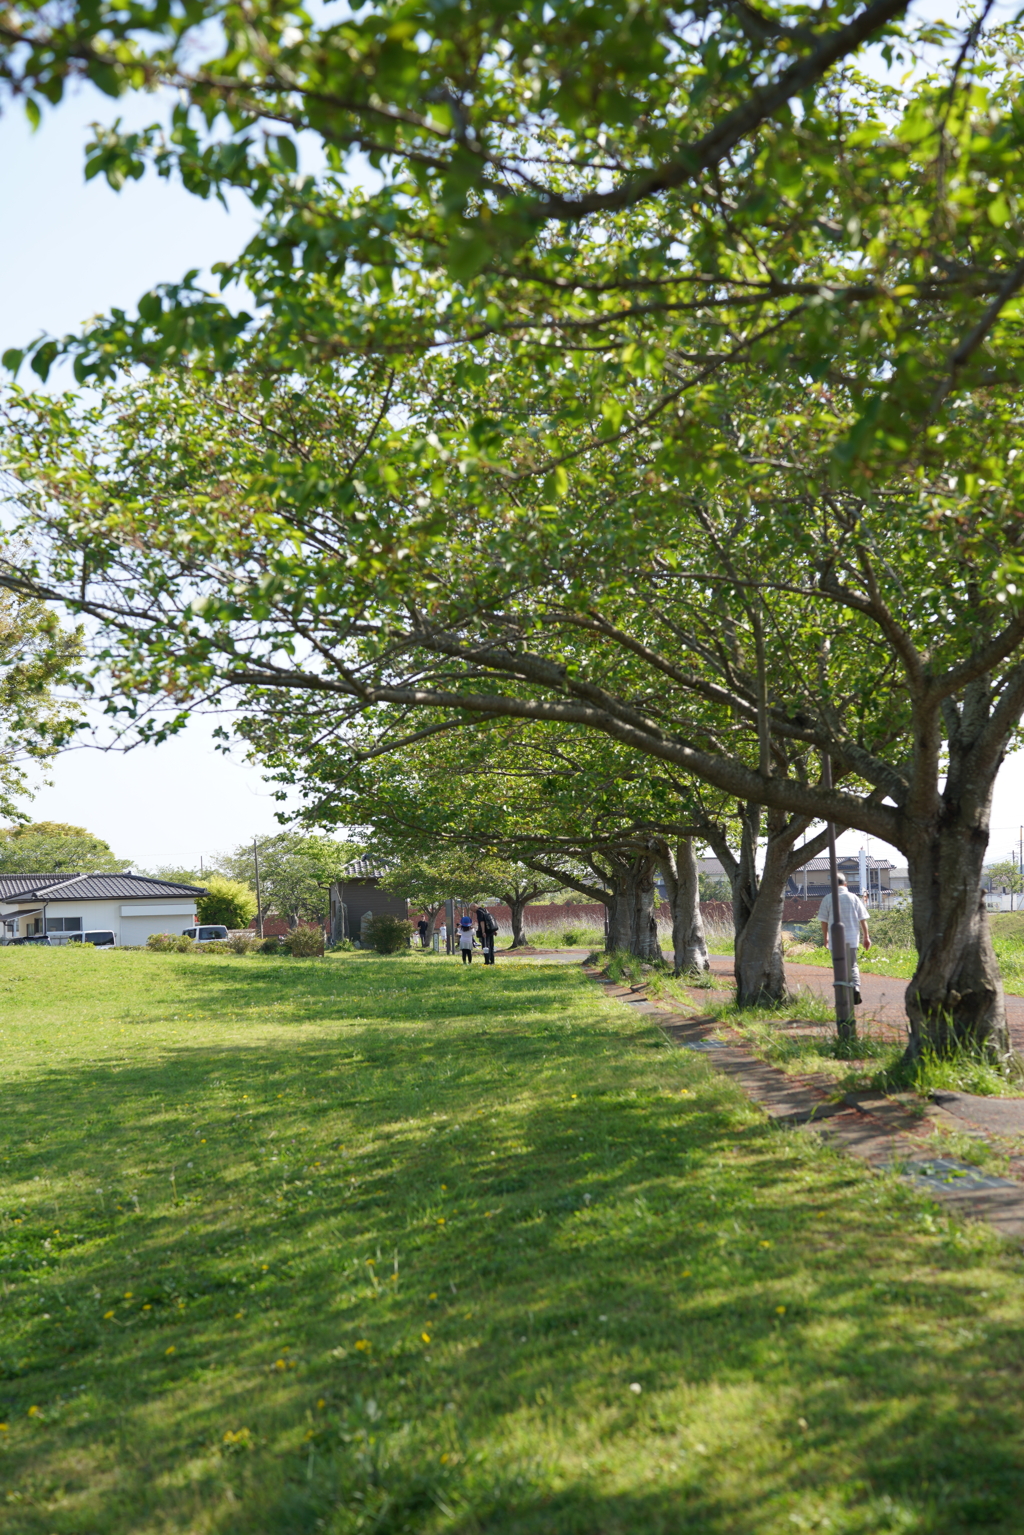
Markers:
(466, 940)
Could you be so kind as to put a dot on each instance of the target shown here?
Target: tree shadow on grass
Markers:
(563, 1225)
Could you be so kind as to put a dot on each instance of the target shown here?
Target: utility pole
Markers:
(259, 898)
(846, 1024)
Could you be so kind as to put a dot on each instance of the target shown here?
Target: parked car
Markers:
(37, 938)
(101, 938)
(213, 933)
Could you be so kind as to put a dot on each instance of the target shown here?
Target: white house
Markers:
(67, 906)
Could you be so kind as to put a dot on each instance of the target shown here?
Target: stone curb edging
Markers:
(872, 1128)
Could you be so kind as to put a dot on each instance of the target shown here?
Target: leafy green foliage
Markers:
(389, 935)
(54, 847)
(227, 901)
(304, 942)
(296, 872)
(37, 656)
(172, 943)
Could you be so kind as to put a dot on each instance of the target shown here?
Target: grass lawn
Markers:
(881, 959)
(383, 1245)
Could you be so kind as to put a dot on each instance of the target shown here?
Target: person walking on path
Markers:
(423, 927)
(853, 914)
(466, 940)
(486, 927)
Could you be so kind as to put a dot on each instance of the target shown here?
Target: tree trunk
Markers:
(620, 911)
(517, 906)
(758, 903)
(760, 968)
(632, 924)
(679, 870)
(955, 999)
(645, 942)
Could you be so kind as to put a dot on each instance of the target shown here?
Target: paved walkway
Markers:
(888, 1132)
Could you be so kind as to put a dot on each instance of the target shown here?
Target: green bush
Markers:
(389, 935)
(214, 946)
(305, 942)
(343, 946)
(170, 943)
(810, 933)
(227, 901)
(243, 943)
(271, 946)
(894, 929)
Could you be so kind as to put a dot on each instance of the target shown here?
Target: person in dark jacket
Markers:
(486, 927)
(423, 927)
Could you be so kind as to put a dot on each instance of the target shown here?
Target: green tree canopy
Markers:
(54, 847)
(296, 872)
(227, 902)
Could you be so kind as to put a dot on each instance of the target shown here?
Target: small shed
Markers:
(357, 893)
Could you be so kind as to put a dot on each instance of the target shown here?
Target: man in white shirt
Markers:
(853, 914)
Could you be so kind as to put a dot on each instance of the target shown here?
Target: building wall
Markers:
(106, 916)
(360, 896)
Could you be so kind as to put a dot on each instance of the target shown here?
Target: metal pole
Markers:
(259, 899)
(449, 912)
(846, 1025)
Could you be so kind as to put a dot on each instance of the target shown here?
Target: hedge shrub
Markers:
(305, 942)
(389, 935)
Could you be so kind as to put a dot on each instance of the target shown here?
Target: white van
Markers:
(213, 933)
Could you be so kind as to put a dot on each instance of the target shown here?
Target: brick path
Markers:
(884, 1131)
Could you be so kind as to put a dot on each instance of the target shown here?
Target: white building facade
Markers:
(66, 907)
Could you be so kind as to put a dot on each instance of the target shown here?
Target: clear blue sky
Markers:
(70, 250)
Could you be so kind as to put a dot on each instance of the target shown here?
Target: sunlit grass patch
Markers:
(384, 1245)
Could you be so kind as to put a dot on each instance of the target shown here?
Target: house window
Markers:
(63, 924)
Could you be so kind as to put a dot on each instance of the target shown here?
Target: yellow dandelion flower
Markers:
(425, 1336)
(321, 1404)
(441, 1221)
(781, 1310)
(764, 1244)
(128, 1295)
(107, 1315)
(147, 1307)
(687, 1273)
(170, 1350)
(5, 1428)
(363, 1345)
(432, 1295)
(34, 1412)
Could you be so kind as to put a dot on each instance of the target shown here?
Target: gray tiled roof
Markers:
(363, 868)
(845, 858)
(91, 887)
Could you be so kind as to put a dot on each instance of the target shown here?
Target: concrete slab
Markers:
(1001, 1116)
(880, 1130)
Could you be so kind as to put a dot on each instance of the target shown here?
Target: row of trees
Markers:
(651, 414)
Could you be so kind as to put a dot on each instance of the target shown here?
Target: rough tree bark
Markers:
(758, 900)
(678, 866)
(955, 998)
(632, 922)
(517, 905)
